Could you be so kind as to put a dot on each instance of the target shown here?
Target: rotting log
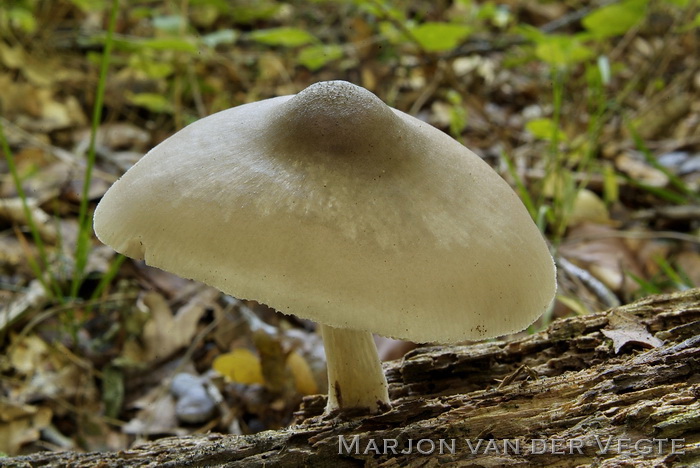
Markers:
(561, 397)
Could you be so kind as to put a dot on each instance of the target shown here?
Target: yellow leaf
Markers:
(240, 365)
(574, 304)
(588, 207)
(303, 377)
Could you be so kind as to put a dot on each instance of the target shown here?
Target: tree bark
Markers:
(561, 397)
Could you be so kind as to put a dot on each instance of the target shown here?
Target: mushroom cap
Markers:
(334, 207)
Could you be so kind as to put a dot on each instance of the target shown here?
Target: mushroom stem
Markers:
(355, 375)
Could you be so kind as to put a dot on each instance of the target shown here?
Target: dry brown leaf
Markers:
(361, 37)
(547, 11)
(655, 120)
(624, 329)
(271, 67)
(640, 171)
(688, 262)
(156, 415)
(13, 256)
(170, 285)
(27, 354)
(20, 424)
(48, 372)
(33, 298)
(116, 136)
(13, 210)
(60, 383)
(164, 333)
(228, 327)
(603, 253)
(74, 189)
(53, 114)
(648, 255)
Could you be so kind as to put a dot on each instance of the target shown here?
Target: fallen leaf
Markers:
(655, 120)
(273, 359)
(240, 365)
(13, 210)
(603, 252)
(156, 415)
(625, 329)
(588, 207)
(164, 333)
(575, 304)
(48, 372)
(640, 171)
(303, 377)
(27, 354)
(688, 263)
(33, 298)
(20, 424)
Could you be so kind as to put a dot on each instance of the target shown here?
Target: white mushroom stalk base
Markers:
(355, 375)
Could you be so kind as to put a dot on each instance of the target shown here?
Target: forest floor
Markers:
(590, 110)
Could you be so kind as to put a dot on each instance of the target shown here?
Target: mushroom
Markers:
(334, 207)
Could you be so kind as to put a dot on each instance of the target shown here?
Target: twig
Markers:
(601, 291)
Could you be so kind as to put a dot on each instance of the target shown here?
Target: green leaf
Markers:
(679, 3)
(153, 68)
(89, 5)
(530, 33)
(284, 37)
(696, 21)
(391, 33)
(23, 19)
(439, 37)
(315, 57)
(151, 101)
(249, 11)
(562, 50)
(383, 9)
(544, 129)
(616, 19)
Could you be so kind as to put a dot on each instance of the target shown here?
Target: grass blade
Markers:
(84, 221)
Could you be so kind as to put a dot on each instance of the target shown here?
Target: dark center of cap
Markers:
(337, 116)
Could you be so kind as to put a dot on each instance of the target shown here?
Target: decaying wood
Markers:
(563, 392)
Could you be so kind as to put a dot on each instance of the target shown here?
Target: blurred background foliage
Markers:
(590, 109)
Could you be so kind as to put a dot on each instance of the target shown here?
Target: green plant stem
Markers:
(108, 276)
(675, 181)
(51, 286)
(556, 158)
(85, 226)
